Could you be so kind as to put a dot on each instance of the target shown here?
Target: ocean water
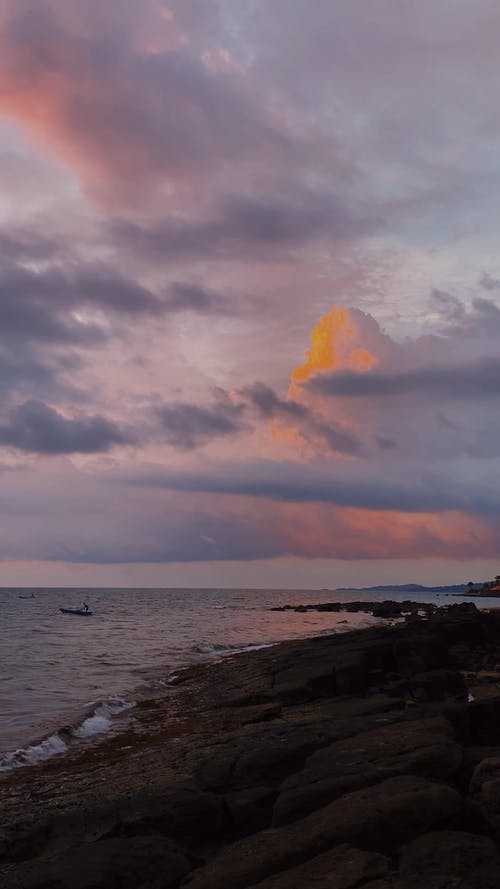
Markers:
(66, 679)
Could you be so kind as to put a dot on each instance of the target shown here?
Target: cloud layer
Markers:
(249, 286)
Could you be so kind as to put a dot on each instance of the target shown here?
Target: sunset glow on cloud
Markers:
(249, 291)
(334, 346)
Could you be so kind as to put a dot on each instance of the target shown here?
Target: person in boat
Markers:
(85, 607)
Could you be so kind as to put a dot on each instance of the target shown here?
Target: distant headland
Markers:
(457, 588)
(488, 588)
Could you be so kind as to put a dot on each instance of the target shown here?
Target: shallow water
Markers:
(62, 670)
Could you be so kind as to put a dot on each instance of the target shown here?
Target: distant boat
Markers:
(28, 597)
(79, 611)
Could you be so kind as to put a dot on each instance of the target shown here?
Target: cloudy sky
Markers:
(249, 292)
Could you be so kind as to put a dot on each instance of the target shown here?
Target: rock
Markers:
(262, 755)
(341, 868)
(150, 861)
(423, 747)
(476, 724)
(274, 758)
(299, 765)
(485, 790)
(249, 810)
(381, 817)
(451, 858)
(261, 713)
(419, 652)
(351, 675)
(180, 811)
(387, 609)
(436, 685)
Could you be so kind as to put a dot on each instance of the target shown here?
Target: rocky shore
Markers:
(369, 759)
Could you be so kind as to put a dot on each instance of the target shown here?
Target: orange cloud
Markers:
(338, 341)
(335, 343)
(319, 531)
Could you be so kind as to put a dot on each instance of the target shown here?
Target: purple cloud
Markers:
(37, 428)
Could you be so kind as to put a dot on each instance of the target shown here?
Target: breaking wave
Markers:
(218, 648)
(99, 721)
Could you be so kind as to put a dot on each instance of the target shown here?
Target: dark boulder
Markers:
(341, 868)
(181, 811)
(380, 817)
(451, 858)
(150, 862)
(418, 652)
(485, 790)
(436, 685)
(424, 747)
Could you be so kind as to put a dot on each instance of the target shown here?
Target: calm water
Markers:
(58, 670)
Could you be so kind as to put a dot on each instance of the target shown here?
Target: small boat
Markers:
(80, 611)
(28, 597)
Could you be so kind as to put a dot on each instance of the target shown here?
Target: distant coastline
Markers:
(409, 588)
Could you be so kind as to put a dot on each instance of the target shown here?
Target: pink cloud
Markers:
(85, 82)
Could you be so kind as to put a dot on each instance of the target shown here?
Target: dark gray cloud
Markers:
(188, 426)
(460, 381)
(270, 405)
(479, 319)
(425, 491)
(312, 426)
(30, 371)
(37, 428)
(24, 244)
(49, 306)
(185, 297)
(339, 440)
(245, 226)
(202, 536)
(44, 305)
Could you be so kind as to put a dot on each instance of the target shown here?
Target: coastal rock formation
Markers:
(366, 759)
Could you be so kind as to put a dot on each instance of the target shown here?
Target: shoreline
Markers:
(69, 732)
(225, 779)
(49, 728)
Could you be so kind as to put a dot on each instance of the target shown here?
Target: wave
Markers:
(99, 721)
(218, 648)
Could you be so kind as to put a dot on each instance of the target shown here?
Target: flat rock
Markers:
(485, 790)
(341, 868)
(423, 747)
(150, 862)
(455, 858)
(381, 817)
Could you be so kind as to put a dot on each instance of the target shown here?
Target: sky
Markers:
(249, 292)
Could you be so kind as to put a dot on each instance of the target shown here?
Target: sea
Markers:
(67, 680)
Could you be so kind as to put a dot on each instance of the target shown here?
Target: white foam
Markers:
(27, 756)
(98, 722)
(217, 648)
